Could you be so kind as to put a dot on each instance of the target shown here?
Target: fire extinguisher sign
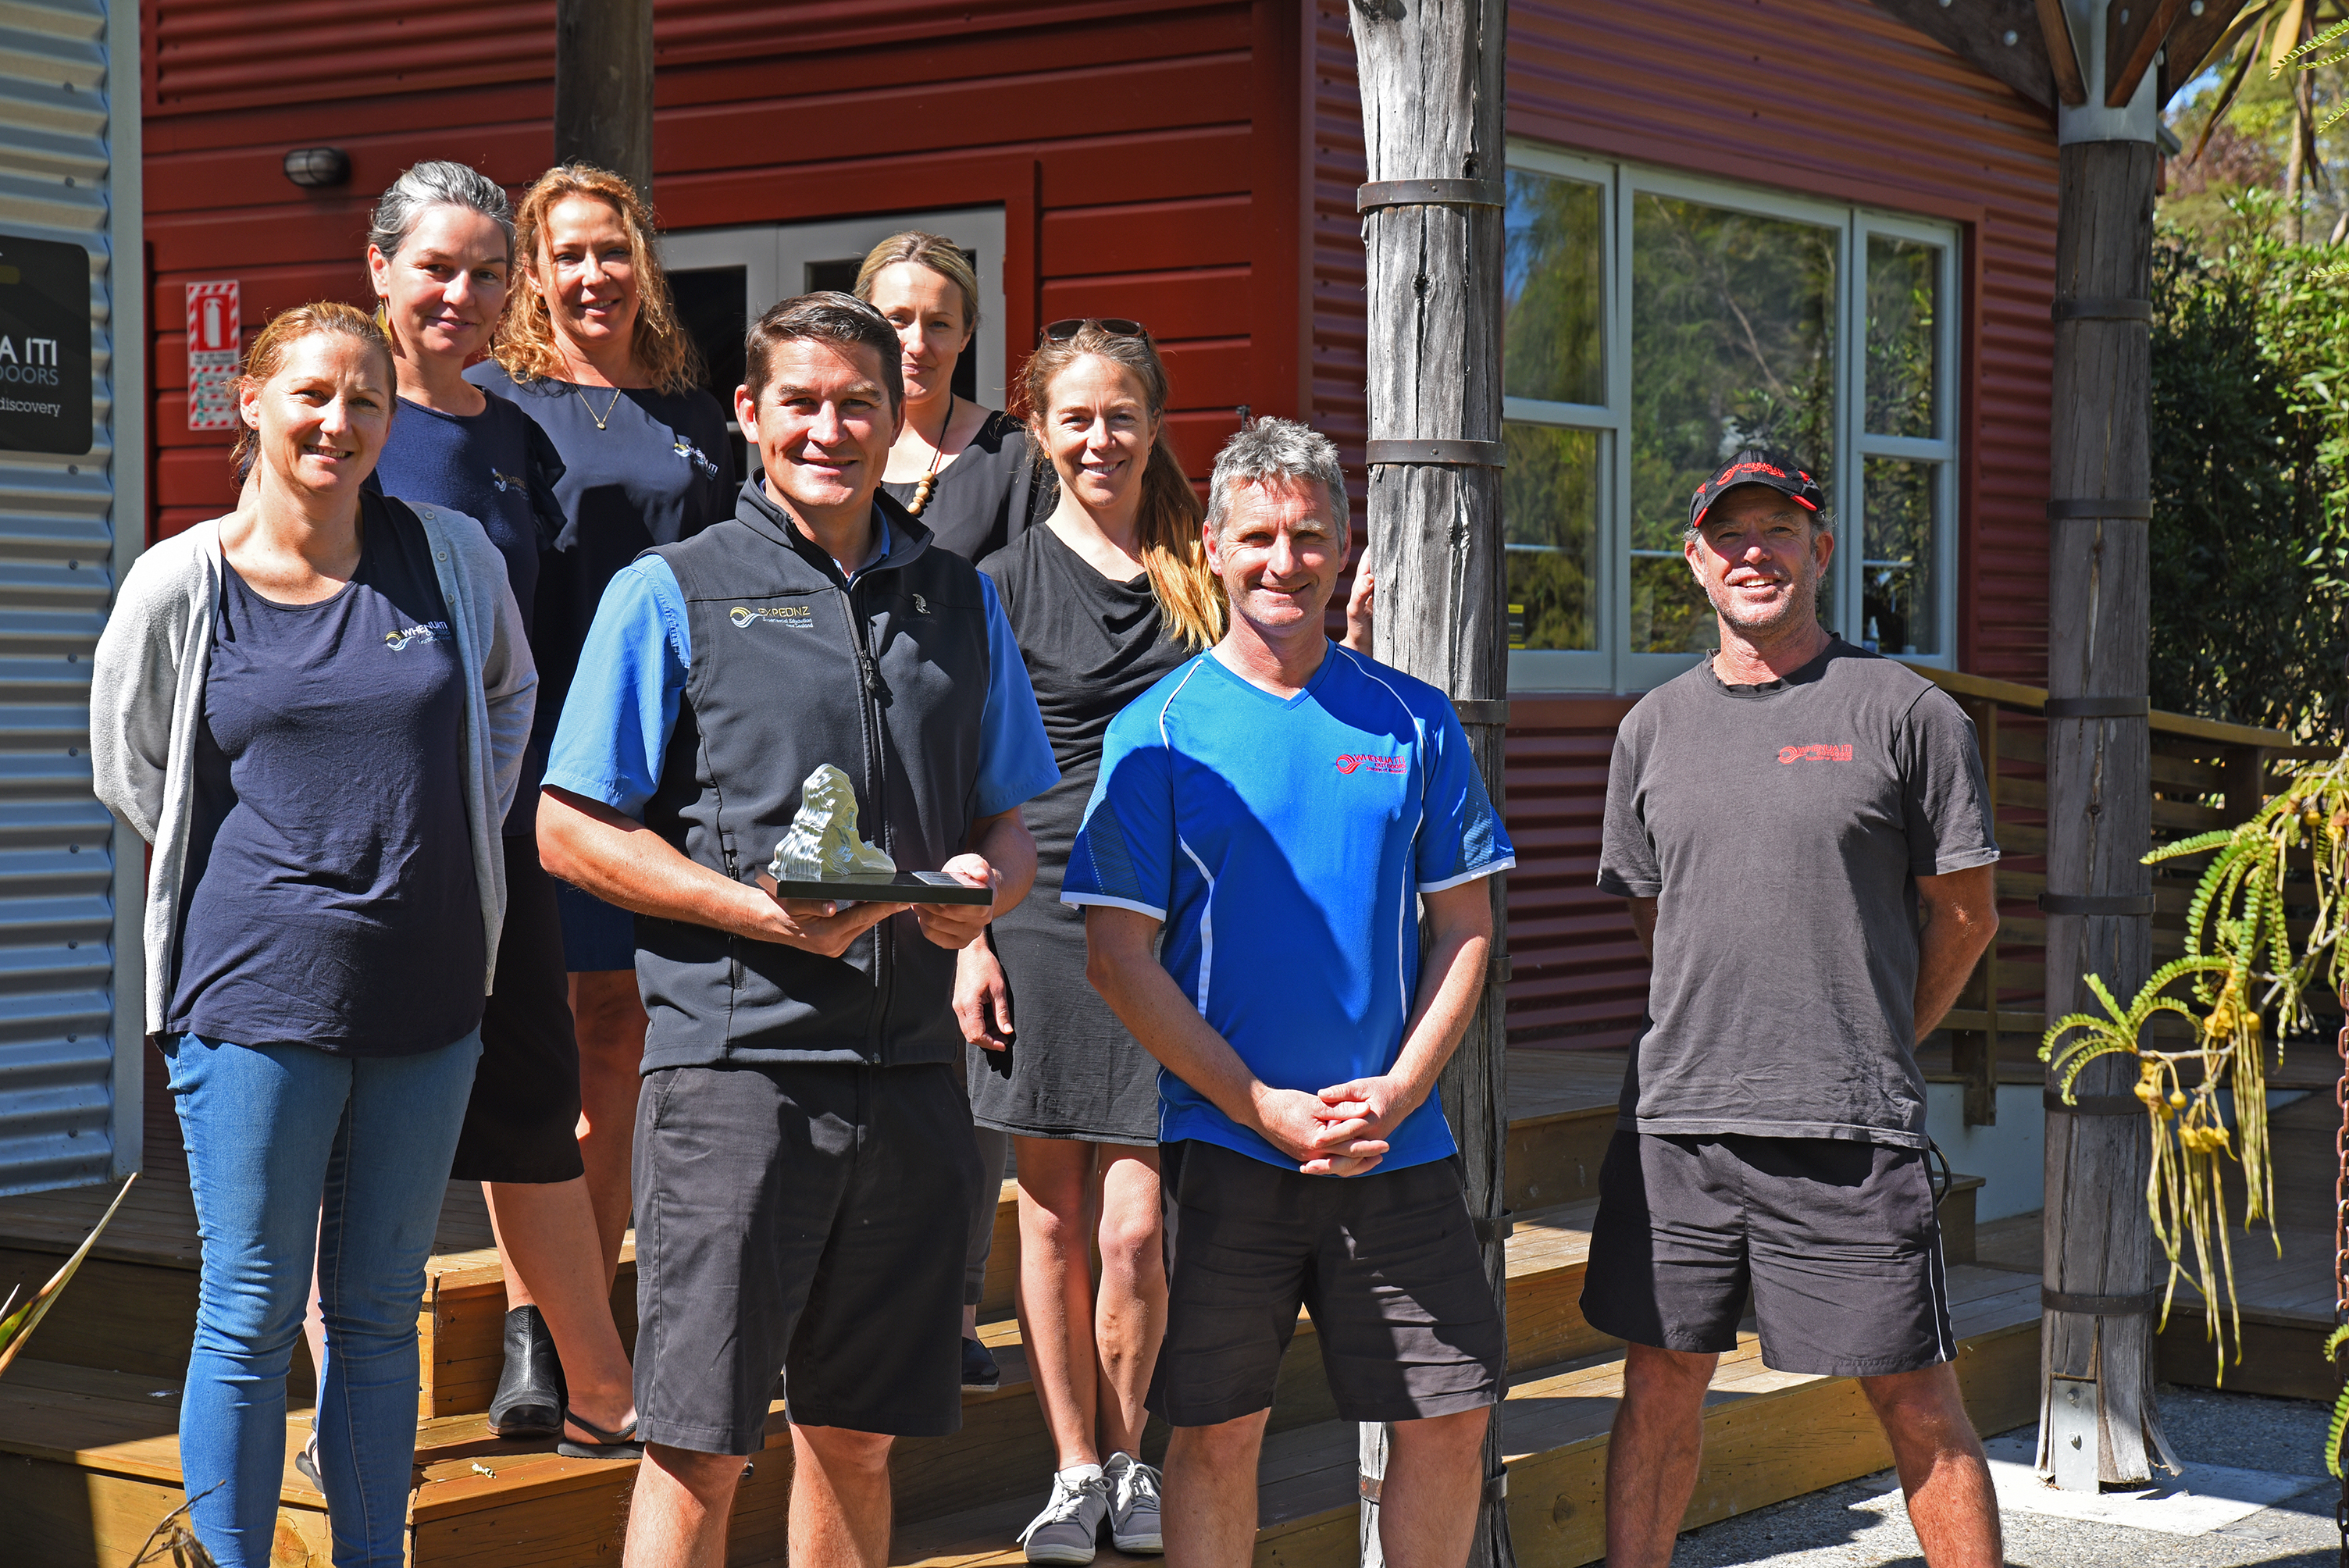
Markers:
(215, 344)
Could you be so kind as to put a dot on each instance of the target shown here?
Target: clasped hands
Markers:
(826, 927)
(1340, 1131)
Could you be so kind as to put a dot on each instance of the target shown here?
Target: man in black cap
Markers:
(1802, 833)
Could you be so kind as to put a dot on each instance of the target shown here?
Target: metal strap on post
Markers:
(2103, 509)
(1436, 452)
(2093, 1104)
(1430, 193)
(2141, 1305)
(1482, 709)
(2095, 903)
(2099, 708)
(2091, 307)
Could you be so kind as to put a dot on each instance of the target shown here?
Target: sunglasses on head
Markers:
(1116, 325)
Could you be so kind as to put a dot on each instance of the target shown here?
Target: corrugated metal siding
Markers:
(57, 915)
(1825, 97)
(1146, 156)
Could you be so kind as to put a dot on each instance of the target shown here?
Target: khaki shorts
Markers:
(1387, 1263)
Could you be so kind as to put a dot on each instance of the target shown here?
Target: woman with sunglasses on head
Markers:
(315, 709)
(967, 471)
(440, 256)
(1106, 595)
(591, 348)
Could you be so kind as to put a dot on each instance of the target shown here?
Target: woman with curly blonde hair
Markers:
(590, 347)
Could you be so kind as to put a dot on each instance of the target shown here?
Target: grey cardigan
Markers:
(147, 699)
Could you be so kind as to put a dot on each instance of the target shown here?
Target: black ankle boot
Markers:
(531, 1391)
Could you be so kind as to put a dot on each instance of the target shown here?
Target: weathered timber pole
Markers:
(2098, 1421)
(1433, 84)
(603, 86)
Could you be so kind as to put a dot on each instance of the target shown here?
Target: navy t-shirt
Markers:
(330, 896)
(499, 468)
(659, 469)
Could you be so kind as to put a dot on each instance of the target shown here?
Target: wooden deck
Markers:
(89, 1431)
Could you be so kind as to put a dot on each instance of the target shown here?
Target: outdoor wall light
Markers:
(315, 168)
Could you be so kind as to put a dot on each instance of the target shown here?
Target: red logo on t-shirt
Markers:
(1814, 754)
(1375, 764)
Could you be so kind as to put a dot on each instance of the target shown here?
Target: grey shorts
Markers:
(1838, 1242)
(798, 1217)
(1387, 1263)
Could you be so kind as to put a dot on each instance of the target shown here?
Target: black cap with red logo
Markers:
(1756, 466)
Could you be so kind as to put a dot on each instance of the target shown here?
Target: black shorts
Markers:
(1387, 1263)
(1837, 1241)
(806, 1218)
(522, 1123)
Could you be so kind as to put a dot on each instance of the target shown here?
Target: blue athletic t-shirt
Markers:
(498, 468)
(1283, 841)
(330, 894)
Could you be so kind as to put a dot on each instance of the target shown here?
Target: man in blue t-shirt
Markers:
(1269, 820)
(803, 1128)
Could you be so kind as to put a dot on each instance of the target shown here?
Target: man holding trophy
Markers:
(753, 705)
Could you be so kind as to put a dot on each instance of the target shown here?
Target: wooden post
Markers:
(2096, 1345)
(1973, 1054)
(604, 87)
(1432, 83)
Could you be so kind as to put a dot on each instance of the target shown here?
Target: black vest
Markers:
(793, 667)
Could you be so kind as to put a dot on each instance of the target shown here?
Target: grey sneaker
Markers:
(1070, 1526)
(1133, 1505)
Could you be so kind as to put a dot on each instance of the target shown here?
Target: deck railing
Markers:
(2204, 775)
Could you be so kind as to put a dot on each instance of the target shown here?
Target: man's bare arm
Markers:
(1961, 910)
(620, 860)
(1451, 982)
(1644, 924)
(1122, 963)
(998, 849)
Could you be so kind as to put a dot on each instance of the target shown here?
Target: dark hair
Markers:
(829, 317)
(1172, 551)
(268, 356)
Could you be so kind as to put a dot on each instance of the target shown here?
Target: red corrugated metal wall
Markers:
(1825, 97)
(1148, 156)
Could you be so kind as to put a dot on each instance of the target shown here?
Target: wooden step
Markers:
(1769, 1436)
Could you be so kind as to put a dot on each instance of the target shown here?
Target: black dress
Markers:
(989, 495)
(1092, 645)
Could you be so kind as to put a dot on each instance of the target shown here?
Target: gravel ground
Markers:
(1862, 1524)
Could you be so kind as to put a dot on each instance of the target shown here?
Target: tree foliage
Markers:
(2251, 508)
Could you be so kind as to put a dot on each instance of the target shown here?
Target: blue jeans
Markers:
(271, 1132)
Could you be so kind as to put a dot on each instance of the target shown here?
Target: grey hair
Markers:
(437, 184)
(1274, 451)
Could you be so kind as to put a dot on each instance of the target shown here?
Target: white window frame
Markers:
(1614, 666)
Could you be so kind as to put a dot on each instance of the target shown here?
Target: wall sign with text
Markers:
(45, 403)
(216, 343)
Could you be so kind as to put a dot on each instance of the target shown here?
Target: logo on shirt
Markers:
(782, 615)
(693, 454)
(504, 483)
(429, 632)
(1814, 754)
(1375, 764)
(921, 606)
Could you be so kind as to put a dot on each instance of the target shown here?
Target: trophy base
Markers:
(905, 887)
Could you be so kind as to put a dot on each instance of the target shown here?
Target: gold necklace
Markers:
(591, 407)
(930, 481)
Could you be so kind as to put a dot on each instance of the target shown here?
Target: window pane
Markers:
(1549, 509)
(1732, 341)
(1552, 293)
(1902, 344)
(1898, 590)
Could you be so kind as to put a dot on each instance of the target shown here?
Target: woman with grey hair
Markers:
(440, 256)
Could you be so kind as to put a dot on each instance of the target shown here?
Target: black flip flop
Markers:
(619, 1445)
(306, 1459)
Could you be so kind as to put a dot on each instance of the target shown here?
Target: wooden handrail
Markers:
(2034, 699)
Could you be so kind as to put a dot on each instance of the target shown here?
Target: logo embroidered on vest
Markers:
(921, 606)
(429, 631)
(782, 615)
(1814, 754)
(1375, 764)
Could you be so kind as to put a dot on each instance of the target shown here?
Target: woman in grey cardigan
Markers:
(315, 709)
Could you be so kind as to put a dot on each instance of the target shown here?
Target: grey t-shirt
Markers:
(1782, 827)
